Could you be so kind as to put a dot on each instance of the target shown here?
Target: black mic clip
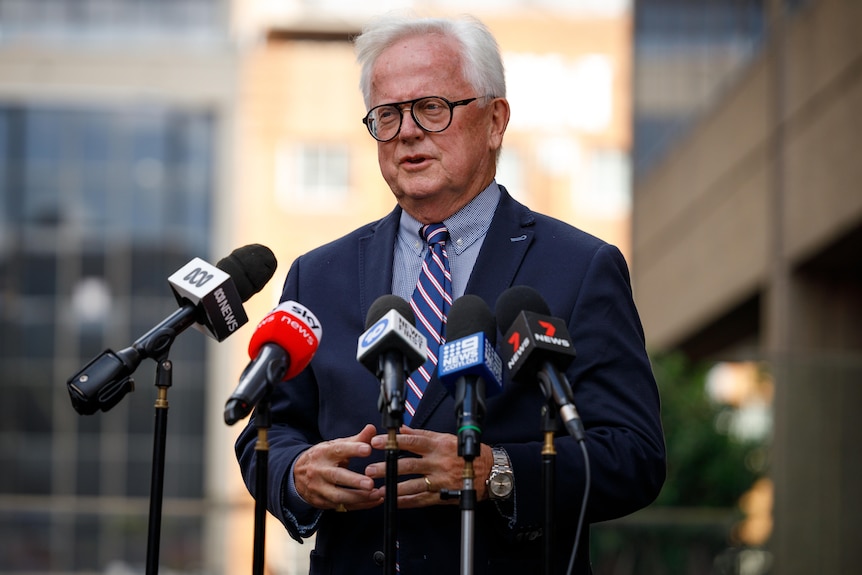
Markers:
(102, 383)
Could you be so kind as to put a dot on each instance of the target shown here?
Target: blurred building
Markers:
(747, 230)
(137, 135)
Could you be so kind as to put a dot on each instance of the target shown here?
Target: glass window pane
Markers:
(105, 193)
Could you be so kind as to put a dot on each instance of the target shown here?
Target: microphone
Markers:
(539, 347)
(209, 296)
(469, 367)
(391, 348)
(281, 346)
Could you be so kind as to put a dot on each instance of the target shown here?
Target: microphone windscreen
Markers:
(250, 267)
(383, 304)
(470, 314)
(293, 328)
(517, 299)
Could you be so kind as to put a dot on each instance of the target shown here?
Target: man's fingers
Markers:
(366, 434)
(322, 478)
(341, 477)
(340, 451)
(419, 441)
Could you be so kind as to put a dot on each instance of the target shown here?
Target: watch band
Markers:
(501, 481)
(501, 459)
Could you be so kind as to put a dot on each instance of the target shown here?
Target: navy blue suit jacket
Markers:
(585, 281)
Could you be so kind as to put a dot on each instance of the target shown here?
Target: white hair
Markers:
(482, 65)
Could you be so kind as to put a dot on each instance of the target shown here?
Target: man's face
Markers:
(433, 175)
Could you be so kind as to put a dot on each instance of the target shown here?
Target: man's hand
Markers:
(323, 480)
(437, 465)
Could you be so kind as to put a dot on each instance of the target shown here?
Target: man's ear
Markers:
(499, 120)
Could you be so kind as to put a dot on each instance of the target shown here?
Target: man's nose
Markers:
(409, 127)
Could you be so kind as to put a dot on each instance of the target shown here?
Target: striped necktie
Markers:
(430, 303)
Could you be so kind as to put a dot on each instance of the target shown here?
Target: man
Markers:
(435, 92)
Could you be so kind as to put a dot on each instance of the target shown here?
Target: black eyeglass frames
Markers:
(431, 113)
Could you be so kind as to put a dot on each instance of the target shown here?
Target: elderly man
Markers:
(435, 94)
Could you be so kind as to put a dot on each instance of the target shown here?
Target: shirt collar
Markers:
(466, 226)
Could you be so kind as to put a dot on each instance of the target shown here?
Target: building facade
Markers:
(746, 239)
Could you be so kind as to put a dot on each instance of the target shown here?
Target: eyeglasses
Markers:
(431, 113)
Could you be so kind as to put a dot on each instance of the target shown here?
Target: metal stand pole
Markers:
(469, 409)
(261, 452)
(468, 508)
(392, 414)
(164, 380)
(549, 453)
(390, 513)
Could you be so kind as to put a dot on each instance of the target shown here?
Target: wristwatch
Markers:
(501, 482)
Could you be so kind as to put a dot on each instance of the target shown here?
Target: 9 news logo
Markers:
(459, 353)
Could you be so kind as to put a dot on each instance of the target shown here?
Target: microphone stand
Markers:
(390, 516)
(261, 453)
(157, 343)
(164, 380)
(392, 410)
(468, 506)
(549, 452)
(469, 445)
(111, 375)
(273, 371)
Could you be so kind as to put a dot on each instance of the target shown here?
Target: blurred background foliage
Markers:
(694, 526)
(707, 465)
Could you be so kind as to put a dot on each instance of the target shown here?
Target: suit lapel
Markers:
(375, 260)
(503, 251)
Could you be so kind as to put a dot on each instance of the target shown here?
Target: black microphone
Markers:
(391, 348)
(281, 346)
(209, 296)
(538, 346)
(470, 367)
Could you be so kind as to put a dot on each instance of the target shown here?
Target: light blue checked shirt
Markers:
(467, 229)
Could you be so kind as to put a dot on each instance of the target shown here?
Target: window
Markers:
(107, 203)
(312, 176)
(605, 190)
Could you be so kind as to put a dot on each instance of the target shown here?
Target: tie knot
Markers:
(434, 233)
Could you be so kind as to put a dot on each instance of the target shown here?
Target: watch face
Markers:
(501, 485)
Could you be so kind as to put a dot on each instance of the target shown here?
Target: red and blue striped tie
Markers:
(431, 301)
